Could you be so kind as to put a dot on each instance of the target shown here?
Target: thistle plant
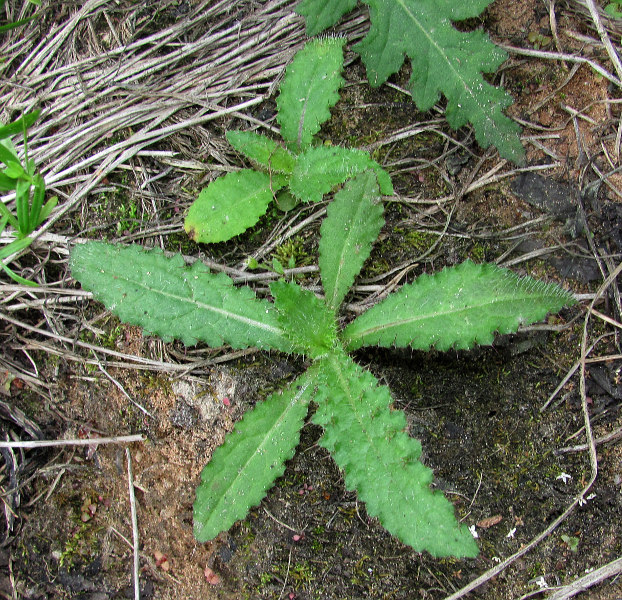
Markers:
(456, 308)
(294, 170)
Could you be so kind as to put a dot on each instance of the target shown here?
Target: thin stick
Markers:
(565, 380)
(130, 482)
(120, 439)
(610, 437)
(289, 564)
(587, 581)
(562, 56)
(122, 389)
(606, 318)
(279, 522)
(604, 38)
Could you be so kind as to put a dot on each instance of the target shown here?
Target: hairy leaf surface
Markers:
(369, 442)
(319, 169)
(230, 205)
(306, 319)
(444, 60)
(309, 89)
(168, 299)
(457, 307)
(262, 150)
(352, 224)
(243, 469)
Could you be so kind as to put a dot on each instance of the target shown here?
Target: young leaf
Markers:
(19, 125)
(444, 60)
(309, 89)
(352, 224)
(13, 248)
(369, 442)
(243, 469)
(8, 153)
(262, 150)
(457, 307)
(230, 205)
(321, 168)
(306, 319)
(168, 299)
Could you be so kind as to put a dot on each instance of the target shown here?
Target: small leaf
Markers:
(322, 14)
(571, 541)
(8, 153)
(277, 266)
(286, 201)
(19, 125)
(13, 169)
(308, 322)
(262, 150)
(318, 170)
(13, 248)
(309, 89)
(457, 307)
(6, 183)
(381, 461)
(35, 217)
(169, 299)
(22, 207)
(230, 205)
(47, 209)
(243, 469)
(352, 224)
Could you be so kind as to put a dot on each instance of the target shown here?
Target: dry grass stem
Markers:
(117, 439)
(587, 581)
(561, 56)
(134, 520)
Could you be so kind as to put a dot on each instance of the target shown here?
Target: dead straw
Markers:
(34, 444)
(134, 518)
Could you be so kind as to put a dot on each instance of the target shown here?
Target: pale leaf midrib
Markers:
(343, 382)
(265, 438)
(440, 51)
(342, 259)
(420, 317)
(200, 305)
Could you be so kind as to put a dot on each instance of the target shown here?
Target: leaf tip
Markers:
(192, 232)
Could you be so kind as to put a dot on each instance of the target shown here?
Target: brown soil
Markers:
(478, 413)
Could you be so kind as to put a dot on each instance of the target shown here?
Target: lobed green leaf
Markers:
(230, 205)
(458, 307)
(444, 60)
(169, 299)
(322, 14)
(380, 460)
(352, 224)
(253, 456)
(309, 89)
(319, 169)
